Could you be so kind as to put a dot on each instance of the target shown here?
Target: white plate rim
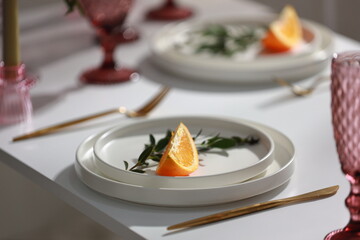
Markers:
(183, 182)
(247, 72)
(189, 197)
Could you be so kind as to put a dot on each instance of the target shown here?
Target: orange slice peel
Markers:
(180, 157)
(284, 33)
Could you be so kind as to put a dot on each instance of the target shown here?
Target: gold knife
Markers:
(319, 194)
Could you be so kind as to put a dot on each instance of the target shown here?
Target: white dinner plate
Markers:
(312, 58)
(216, 168)
(278, 173)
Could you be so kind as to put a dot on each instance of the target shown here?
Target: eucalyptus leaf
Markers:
(251, 140)
(239, 140)
(223, 40)
(72, 5)
(138, 170)
(126, 165)
(212, 139)
(162, 143)
(215, 30)
(223, 143)
(156, 157)
(197, 135)
(145, 154)
(152, 140)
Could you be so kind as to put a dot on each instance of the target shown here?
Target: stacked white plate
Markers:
(223, 176)
(254, 67)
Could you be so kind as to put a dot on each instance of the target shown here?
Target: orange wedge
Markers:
(284, 33)
(180, 157)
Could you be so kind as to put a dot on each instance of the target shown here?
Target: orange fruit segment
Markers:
(284, 33)
(180, 157)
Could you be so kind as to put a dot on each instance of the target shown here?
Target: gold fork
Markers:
(299, 90)
(143, 111)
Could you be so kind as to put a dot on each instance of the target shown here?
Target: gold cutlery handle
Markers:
(57, 127)
(322, 193)
(143, 111)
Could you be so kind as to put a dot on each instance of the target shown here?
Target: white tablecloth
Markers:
(58, 96)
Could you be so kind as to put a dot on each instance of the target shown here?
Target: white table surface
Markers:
(49, 161)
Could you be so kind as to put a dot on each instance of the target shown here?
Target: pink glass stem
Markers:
(352, 230)
(108, 46)
(169, 11)
(126, 35)
(345, 105)
(353, 204)
(170, 3)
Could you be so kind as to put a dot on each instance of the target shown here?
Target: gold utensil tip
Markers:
(319, 194)
(141, 112)
(299, 90)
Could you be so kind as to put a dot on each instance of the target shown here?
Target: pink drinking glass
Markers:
(15, 101)
(107, 16)
(169, 11)
(345, 105)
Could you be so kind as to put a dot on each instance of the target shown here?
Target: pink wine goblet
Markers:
(345, 106)
(107, 16)
(169, 11)
(126, 35)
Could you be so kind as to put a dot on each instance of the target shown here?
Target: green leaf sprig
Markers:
(72, 5)
(225, 143)
(219, 40)
(154, 150)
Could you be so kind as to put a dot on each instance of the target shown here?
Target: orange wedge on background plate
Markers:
(180, 157)
(284, 33)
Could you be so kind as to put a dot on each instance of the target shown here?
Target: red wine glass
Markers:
(169, 11)
(345, 105)
(126, 35)
(107, 16)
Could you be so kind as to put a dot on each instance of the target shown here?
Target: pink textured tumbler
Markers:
(345, 105)
(15, 102)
